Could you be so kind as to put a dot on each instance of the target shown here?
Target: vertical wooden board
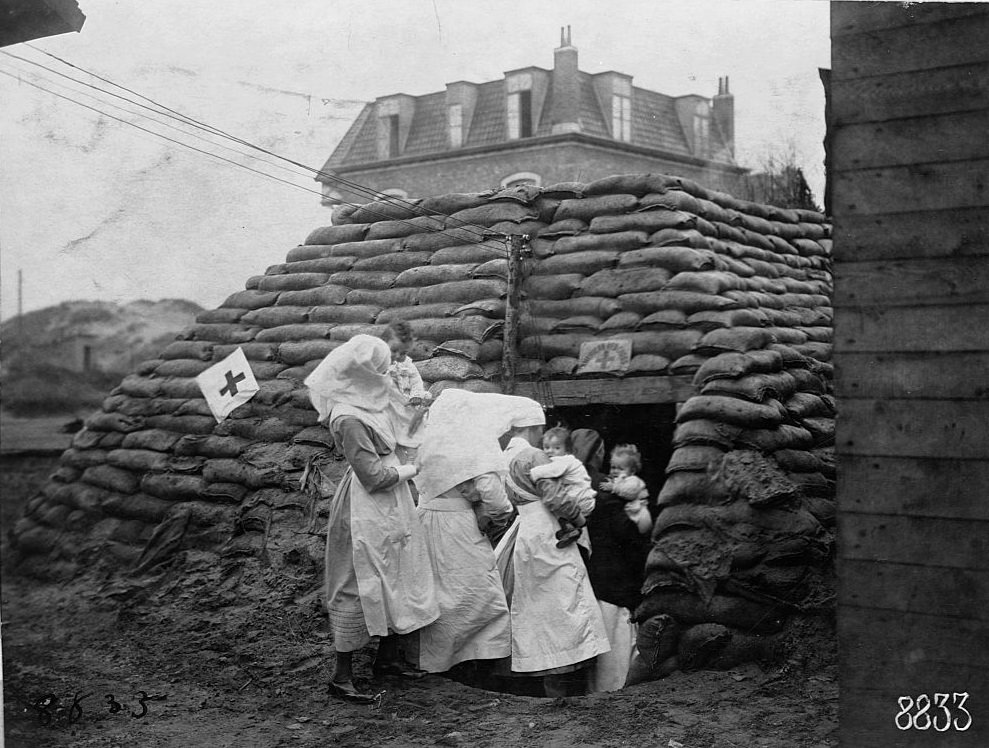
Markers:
(953, 41)
(916, 487)
(952, 374)
(955, 543)
(947, 429)
(922, 139)
(959, 232)
(949, 592)
(857, 17)
(912, 329)
(918, 93)
(950, 280)
(928, 186)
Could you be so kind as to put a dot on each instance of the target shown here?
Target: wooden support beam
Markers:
(631, 391)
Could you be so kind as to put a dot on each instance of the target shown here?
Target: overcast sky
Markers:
(93, 209)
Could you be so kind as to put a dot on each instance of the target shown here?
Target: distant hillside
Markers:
(65, 358)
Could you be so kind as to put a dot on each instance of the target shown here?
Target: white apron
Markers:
(555, 616)
(390, 557)
(474, 620)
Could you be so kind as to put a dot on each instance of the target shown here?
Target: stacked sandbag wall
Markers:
(702, 284)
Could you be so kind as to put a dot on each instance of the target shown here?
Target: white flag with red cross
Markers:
(228, 384)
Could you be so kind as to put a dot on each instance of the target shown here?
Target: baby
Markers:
(623, 482)
(398, 335)
(572, 477)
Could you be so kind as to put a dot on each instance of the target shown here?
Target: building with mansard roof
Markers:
(533, 126)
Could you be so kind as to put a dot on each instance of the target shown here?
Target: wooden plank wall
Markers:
(910, 106)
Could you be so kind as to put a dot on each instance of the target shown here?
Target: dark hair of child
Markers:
(562, 435)
(400, 330)
(631, 454)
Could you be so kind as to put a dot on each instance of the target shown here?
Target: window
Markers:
(520, 178)
(396, 193)
(520, 106)
(455, 120)
(702, 130)
(621, 109)
(392, 124)
(331, 195)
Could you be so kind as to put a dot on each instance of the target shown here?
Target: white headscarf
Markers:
(461, 438)
(353, 380)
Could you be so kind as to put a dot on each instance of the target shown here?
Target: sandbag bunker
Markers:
(726, 307)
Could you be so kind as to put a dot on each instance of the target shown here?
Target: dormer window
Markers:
(519, 106)
(702, 130)
(621, 109)
(455, 121)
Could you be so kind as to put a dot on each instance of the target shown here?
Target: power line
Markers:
(482, 232)
(368, 208)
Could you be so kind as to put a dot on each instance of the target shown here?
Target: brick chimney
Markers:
(723, 114)
(566, 87)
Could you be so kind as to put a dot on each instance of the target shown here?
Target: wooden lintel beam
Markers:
(634, 390)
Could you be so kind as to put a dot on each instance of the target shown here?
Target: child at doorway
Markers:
(572, 477)
(623, 481)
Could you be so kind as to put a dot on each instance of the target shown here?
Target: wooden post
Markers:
(510, 352)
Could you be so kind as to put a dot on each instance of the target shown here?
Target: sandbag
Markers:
(192, 349)
(674, 259)
(656, 639)
(754, 387)
(582, 263)
(253, 352)
(328, 265)
(471, 350)
(806, 405)
(392, 297)
(734, 365)
(392, 262)
(664, 319)
(183, 424)
(346, 332)
(633, 184)
(337, 234)
(250, 299)
(649, 221)
(735, 339)
(700, 644)
(466, 254)
(784, 436)
(299, 352)
(568, 227)
(325, 295)
(578, 323)
(612, 283)
(432, 241)
(417, 311)
(686, 301)
(691, 488)
(496, 268)
(372, 280)
(292, 282)
(672, 200)
(147, 509)
(787, 335)
(428, 275)
(495, 212)
(686, 365)
(589, 207)
(559, 286)
(559, 367)
(822, 430)
(343, 313)
(448, 367)
(621, 322)
(580, 305)
(304, 331)
(399, 229)
(731, 410)
(464, 291)
(451, 203)
(797, 460)
(706, 282)
(671, 344)
(196, 445)
(757, 479)
(710, 320)
(456, 328)
(807, 381)
(694, 458)
(241, 473)
(817, 351)
(270, 317)
(492, 308)
(622, 241)
(114, 422)
(173, 487)
(700, 432)
(180, 387)
(365, 249)
(111, 478)
(728, 610)
(223, 316)
(137, 460)
(679, 238)
(648, 363)
(262, 430)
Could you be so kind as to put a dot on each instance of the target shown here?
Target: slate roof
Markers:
(654, 125)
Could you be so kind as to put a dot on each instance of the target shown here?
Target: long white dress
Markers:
(474, 622)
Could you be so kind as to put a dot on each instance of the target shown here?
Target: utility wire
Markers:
(481, 232)
(368, 208)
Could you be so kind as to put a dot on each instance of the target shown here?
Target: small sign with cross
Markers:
(228, 384)
(607, 356)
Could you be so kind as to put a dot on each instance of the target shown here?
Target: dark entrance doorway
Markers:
(648, 426)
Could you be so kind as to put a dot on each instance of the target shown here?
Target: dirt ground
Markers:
(233, 654)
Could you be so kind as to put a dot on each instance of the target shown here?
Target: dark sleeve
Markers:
(357, 445)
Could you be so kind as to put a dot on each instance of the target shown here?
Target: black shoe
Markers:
(398, 669)
(348, 692)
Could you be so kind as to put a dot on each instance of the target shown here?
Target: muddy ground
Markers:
(231, 654)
